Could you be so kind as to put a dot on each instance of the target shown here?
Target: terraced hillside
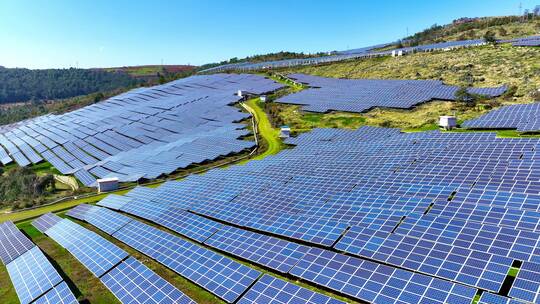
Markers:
(480, 66)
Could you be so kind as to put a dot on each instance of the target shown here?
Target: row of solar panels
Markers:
(132, 282)
(35, 279)
(367, 52)
(430, 202)
(143, 133)
(370, 52)
(277, 254)
(177, 253)
(359, 95)
(522, 117)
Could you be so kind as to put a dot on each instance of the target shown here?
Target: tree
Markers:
(463, 95)
(536, 10)
(502, 32)
(489, 37)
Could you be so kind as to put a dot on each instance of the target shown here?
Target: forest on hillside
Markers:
(20, 85)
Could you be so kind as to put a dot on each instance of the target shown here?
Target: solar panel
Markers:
(188, 224)
(81, 211)
(13, 242)
(526, 286)
(93, 251)
(32, 275)
(221, 276)
(114, 201)
(269, 289)
(60, 294)
(143, 133)
(132, 282)
(490, 298)
(277, 254)
(462, 265)
(103, 218)
(46, 221)
(359, 95)
(376, 283)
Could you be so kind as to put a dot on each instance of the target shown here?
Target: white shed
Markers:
(285, 132)
(447, 122)
(107, 184)
(263, 98)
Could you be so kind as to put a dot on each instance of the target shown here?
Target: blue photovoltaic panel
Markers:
(317, 231)
(60, 294)
(140, 133)
(81, 211)
(32, 275)
(132, 282)
(107, 220)
(141, 192)
(489, 298)
(475, 268)
(271, 290)
(221, 276)
(13, 243)
(188, 224)
(46, 221)
(274, 253)
(526, 286)
(114, 201)
(359, 95)
(377, 283)
(93, 251)
(523, 117)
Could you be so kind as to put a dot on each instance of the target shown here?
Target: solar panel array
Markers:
(452, 212)
(143, 133)
(220, 275)
(359, 95)
(13, 243)
(524, 41)
(33, 276)
(522, 117)
(367, 52)
(148, 287)
(128, 279)
(272, 290)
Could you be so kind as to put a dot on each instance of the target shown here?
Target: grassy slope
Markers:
(488, 65)
(267, 133)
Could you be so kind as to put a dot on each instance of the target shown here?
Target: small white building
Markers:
(447, 122)
(239, 93)
(107, 184)
(263, 98)
(285, 132)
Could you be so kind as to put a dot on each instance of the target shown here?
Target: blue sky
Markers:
(97, 33)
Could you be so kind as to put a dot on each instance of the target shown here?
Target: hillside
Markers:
(506, 27)
(21, 85)
(151, 73)
(479, 66)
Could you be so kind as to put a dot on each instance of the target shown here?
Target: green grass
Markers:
(266, 131)
(45, 168)
(33, 213)
(513, 271)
